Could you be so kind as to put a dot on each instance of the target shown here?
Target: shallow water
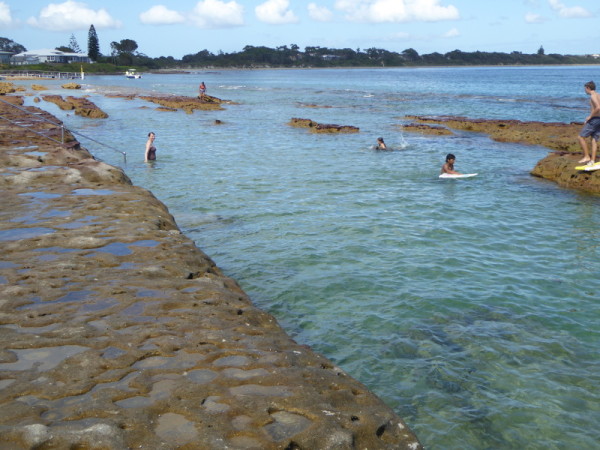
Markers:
(470, 306)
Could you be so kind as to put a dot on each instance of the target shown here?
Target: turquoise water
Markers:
(469, 306)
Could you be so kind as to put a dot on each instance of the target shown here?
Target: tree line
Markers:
(125, 53)
(292, 56)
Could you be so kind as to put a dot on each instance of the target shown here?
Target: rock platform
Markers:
(117, 332)
(323, 128)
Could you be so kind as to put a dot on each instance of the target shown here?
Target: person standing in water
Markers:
(591, 126)
(150, 154)
(448, 167)
(380, 144)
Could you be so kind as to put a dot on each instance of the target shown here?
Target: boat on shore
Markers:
(132, 73)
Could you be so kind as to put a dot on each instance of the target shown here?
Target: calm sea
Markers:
(470, 306)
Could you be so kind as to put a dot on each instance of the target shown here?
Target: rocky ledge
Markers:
(187, 104)
(116, 331)
(558, 166)
(316, 127)
(81, 105)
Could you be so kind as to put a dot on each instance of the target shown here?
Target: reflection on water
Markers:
(42, 359)
(16, 234)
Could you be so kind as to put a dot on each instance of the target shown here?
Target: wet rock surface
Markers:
(187, 104)
(560, 168)
(81, 105)
(116, 331)
(556, 136)
(316, 127)
(71, 86)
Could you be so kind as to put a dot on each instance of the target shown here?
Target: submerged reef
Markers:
(116, 331)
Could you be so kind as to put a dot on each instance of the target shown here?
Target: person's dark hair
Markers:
(450, 156)
(380, 139)
(591, 85)
(152, 132)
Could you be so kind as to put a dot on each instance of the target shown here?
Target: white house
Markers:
(48, 56)
(5, 57)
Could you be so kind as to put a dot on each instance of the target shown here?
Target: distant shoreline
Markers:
(193, 70)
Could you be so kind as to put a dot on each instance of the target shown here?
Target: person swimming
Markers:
(448, 167)
(380, 144)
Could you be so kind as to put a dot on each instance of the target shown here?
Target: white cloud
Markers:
(71, 15)
(218, 14)
(319, 13)
(569, 12)
(6, 19)
(452, 33)
(275, 12)
(378, 11)
(161, 15)
(533, 18)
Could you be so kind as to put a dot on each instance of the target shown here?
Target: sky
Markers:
(181, 27)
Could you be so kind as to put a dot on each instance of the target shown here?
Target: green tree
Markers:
(123, 51)
(541, 51)
(73, 45)
(64, 49)
(93, 45)
(8, 45)
(410, 54)
(124, 46)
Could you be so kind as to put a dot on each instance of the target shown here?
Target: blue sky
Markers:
(180, 27)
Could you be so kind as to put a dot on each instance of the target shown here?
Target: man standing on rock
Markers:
(591, 126)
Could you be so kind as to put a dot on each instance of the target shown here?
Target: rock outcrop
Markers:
(560, 168)
(554, 135)
(71, 86)
(316, 127)
(187, 104)
(117, 332)
(82, 106)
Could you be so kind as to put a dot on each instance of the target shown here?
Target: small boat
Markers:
(131, 73)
